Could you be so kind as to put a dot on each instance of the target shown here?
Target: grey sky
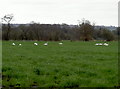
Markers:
(102, 12)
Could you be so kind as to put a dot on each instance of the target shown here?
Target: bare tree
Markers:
(8, 18)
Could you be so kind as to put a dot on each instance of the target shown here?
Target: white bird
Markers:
(97, 44)
(60, 43)
(100, 44)
(20, 44)
(35, 43)
(45, 44)
(13, 44)
(106, 44)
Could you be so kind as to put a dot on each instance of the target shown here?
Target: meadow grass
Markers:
(73, 64)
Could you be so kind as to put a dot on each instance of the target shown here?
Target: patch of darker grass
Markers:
(4, 69)
(38, 71)
(71, 84)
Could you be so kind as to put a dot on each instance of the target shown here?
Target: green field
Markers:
(73, 64)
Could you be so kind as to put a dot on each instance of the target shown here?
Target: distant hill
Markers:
(108, 27)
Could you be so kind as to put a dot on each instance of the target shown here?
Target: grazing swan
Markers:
(20, 44)
(97, 44)
(35, 43)
(13, 44)
(106, 44)
(45, 44)
(60, 43)
(100, 44)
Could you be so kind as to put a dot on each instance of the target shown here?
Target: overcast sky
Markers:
(101, 12)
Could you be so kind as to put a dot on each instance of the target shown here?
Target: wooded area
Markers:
(85, 31)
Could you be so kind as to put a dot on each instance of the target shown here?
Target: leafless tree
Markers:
(8, 18)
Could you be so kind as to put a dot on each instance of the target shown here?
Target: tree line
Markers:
(84, 31)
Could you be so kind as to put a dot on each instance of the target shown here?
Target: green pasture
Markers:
(73, 64)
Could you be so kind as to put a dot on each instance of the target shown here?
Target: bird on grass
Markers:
(105, 44)
(20, 44)
(98, 44)
(60, 43)
(36, 44)
(13, 44)
(45, 44)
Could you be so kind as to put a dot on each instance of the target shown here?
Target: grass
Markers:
(73, 64)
